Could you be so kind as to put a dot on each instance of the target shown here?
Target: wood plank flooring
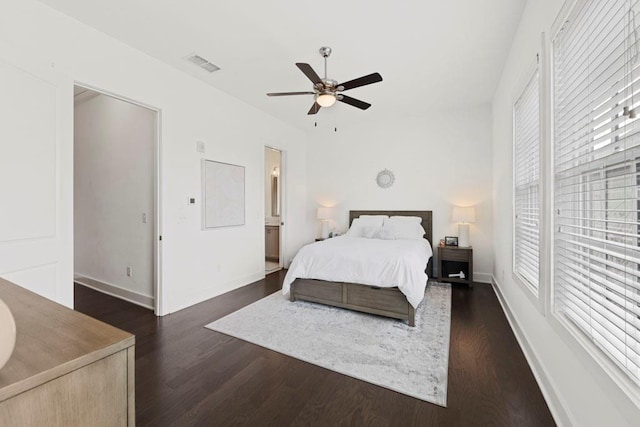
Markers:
(189, 375)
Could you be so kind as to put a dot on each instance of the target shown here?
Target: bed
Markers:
(383, 301)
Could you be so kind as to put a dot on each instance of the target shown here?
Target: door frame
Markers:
(157, 190)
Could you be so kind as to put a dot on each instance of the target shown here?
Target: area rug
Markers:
(382, 351)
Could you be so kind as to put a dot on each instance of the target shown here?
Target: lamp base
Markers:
(463, 235)
(325, 229)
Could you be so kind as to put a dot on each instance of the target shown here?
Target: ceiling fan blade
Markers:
(361, 81)
(355, 102)
(289, 93)
(314, 109)
(308, 71)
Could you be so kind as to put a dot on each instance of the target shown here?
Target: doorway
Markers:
(116, 144)
(273, 210)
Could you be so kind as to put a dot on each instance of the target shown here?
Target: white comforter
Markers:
(374, 262)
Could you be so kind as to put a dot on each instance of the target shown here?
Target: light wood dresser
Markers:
(67, 369)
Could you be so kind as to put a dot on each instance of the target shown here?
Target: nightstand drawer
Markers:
(454, 254)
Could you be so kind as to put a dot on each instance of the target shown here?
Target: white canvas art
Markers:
(223, 187)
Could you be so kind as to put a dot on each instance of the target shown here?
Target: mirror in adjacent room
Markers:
(275, 194)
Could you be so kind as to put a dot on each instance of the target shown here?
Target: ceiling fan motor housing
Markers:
(325, 51)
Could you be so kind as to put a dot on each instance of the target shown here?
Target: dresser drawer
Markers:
(454, 254)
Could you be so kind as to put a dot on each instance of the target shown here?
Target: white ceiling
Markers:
(432, 54)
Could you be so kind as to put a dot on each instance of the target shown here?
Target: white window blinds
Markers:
(597, 177)
(526, 182)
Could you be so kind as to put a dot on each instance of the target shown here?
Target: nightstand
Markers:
(453, 260)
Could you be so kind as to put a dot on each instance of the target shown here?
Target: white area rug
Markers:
(382, 351)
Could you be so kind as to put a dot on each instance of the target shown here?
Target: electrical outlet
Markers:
(129, 272)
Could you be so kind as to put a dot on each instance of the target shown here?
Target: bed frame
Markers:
(389, 302)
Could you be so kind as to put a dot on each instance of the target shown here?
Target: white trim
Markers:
(145, 301)
(220, 289)
(84, 96)
(619, 378)
(545, 382)
(482, 278)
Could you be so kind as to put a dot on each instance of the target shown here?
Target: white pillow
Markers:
(365, 221)
(356, 228)
(372, 220)
(416, 219)
(401, 229)
(369, 232)
(384, 233)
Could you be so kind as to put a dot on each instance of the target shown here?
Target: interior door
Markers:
(36, 172)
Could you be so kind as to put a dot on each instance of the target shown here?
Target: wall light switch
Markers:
(144, 218)
(200, 147)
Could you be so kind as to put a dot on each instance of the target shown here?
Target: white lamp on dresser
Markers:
(463, 216)
(325, 214)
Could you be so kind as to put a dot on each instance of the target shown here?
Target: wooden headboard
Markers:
(427, 224)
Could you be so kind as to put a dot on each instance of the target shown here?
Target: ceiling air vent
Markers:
(202, 63)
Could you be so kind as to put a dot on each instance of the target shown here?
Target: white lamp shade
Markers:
(460, 214)
(325, 213)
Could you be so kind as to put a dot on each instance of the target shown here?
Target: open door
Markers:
(114, 209)
(273, 209)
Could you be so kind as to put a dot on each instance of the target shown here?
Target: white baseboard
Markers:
(553, 401)
(482, 278)
(115, 291)
(211, 293)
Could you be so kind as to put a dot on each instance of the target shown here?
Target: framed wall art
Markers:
(223, 195)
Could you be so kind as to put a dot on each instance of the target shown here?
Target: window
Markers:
(526, 183)
(596, 248)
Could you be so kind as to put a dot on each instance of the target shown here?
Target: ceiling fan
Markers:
(327, 91)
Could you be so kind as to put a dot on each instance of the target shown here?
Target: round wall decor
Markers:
(385, 178)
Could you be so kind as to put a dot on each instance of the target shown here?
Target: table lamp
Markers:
(463, 216)
(325, 214)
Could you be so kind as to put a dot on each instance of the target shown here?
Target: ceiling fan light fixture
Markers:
(326, 99)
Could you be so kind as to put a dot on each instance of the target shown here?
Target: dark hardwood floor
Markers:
(189, 375)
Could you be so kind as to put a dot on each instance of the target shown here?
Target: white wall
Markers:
(196, 264)
(114, 152)
(577, 390)
(36, 173)
(438, 161)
